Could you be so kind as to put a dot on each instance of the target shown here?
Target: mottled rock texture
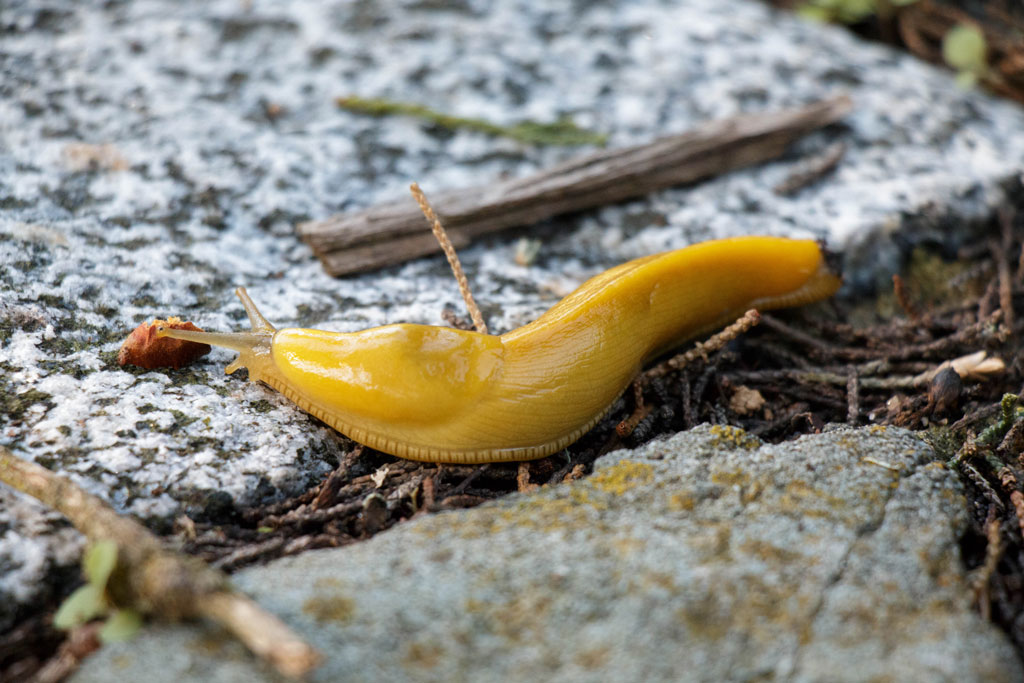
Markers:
(154, 155)
(706, 556)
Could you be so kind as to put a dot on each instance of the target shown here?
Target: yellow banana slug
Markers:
(446, 395)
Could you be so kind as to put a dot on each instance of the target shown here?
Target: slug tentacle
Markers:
(444, 395)
(254, 347)
(256, 319)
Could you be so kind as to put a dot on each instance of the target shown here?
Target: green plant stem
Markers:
(562, 132)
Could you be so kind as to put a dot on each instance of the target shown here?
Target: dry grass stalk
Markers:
(453, 259)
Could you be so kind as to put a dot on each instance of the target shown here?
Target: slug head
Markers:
(254, 347)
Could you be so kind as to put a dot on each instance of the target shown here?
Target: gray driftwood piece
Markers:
(396, 231)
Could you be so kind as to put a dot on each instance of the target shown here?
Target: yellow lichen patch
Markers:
(644, 581)
(749, 494)
(626, 546)
(330, 608)
(564, 509)
(620, 478)
(705, 619)
(547, 512)
(801, 498)
(764, 609)
(730, 477)
(422, 655)
(773, 554)
(713, 540)
(524, 618)
(727, 436)
(877, 429)
(683, 501)
(581, 496)
(592, 659)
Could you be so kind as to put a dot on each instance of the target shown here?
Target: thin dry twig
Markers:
(1009, 482)
(523, 484)
(853, 396)
(158, 581)
(903, 298)
(640, 410)
(453, 259)
(993, 551)
(702, 349)
(812, 170)
(1002, 258)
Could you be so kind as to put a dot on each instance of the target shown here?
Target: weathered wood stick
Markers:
(393, 232)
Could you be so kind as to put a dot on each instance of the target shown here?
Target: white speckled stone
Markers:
(194, 190)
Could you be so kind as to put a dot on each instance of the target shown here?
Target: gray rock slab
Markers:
(707, 556)
(155, 155)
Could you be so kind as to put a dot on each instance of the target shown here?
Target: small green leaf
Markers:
(966, 79)
(84, 604)
(964, 49)
(814, 13)
(854, 11)
(122, 625)
(99, 561)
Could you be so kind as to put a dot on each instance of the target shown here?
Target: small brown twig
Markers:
(699, 350)
(993, 551)
(812, 170)
(1002, 258)
(1009, 483)
(453, 258)
(853, 396)
(330, 486)
(523, 484)
(900, 290)
(702, 349)
(157, 581)
(640, 410)
(455, 321)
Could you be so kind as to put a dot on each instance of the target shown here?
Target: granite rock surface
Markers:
(706, 556)
(154, 155)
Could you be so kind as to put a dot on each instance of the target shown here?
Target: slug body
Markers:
(446, 395)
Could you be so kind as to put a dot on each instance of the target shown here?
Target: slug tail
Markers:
(820, 285)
